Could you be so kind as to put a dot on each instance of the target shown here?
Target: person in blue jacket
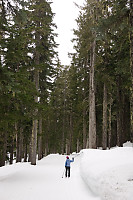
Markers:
(67, 166)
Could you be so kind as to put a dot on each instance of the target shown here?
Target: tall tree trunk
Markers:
(78, 145)
(19, 145)
(40, 140)
(25, 153)
(63, 136)
(92, 114)
(67, 146)
(84, 128)
(17, 141)
(123, 134)
(64, 115)
(71, 132)
(34, 142)
(131, 66)
(46, 150)
(35, 121)
(104, 135)
(29, 149)
(119, 124)
(3, 148)
(11, 151)
(110, 122)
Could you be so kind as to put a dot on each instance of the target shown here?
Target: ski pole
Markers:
(63, 173)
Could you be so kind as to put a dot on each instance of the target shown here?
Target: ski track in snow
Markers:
(43, 181)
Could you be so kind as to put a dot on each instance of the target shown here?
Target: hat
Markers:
(67, 157)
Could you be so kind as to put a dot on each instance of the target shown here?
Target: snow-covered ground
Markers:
(22, 181)
(109, 173)
(95, 175)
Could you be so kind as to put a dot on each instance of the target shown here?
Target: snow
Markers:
(95, 175)
(109, 173)
(22, 181)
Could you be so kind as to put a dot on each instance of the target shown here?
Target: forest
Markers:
(49, 108)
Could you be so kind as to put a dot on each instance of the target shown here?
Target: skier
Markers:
(67, 166)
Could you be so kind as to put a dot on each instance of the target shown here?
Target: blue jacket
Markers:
(67, 163)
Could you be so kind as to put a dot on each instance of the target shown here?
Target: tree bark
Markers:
(64, 115)
(40, 140)
(35, 122)
(78, 145)
(119, 113)
(3, 148)
(92, 114)
(63, 136)
(34, 142)
(46, 150)
(19, 143)
(29, 149)
(36, 81)
(110, 122)
(71, 132)
(131, 67)
(11, 151)
(84, 129)
(25, 153)
(104, 135)
(67, 147)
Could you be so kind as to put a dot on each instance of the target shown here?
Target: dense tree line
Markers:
(26, 68)
(92, 99)
(50, 108)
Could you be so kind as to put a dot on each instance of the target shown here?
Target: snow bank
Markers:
(128, 144)
(109, 173)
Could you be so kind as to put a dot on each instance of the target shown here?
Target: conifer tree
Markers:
(43, 42)
(27, 44)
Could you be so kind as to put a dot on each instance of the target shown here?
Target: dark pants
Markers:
(67, 171)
